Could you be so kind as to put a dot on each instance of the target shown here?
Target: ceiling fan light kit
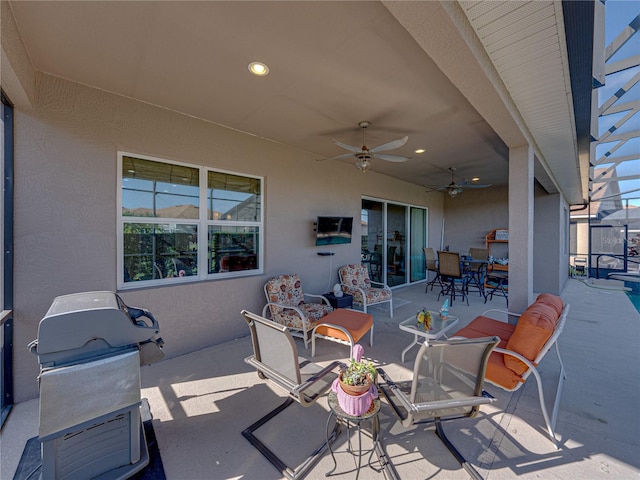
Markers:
(362, 163)
(454, 188)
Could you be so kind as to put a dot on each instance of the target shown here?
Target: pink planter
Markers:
(355, 405)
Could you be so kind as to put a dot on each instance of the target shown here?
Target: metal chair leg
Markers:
(289, 472)
(473, 473)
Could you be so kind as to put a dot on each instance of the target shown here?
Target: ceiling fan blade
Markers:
(475, 185)
(390, 145)
(339, 157)
(391, 158)
(347, 147)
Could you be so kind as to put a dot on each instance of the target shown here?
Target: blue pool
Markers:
(634, 291)
(634, 296)
(632, 282)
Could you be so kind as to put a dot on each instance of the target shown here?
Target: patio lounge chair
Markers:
(288, 305)
(447, 384)
(355, 281)
(275, 357)
(579, 267)
(522, 348)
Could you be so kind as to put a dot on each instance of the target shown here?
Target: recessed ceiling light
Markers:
(258, 69)
(420, 150)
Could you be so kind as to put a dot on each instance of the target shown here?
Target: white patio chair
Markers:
(290, 306)
(355, 281)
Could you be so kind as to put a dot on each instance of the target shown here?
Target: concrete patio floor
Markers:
(202, 401)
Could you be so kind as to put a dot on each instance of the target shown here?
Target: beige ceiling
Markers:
(410, 68)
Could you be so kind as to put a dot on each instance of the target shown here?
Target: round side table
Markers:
(341, 416)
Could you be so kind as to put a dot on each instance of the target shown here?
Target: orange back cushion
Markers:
(552, 301)
(534, 328)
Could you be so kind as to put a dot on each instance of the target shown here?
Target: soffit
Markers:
(526, 44)
(332, 65)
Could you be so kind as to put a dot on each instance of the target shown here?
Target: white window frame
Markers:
(202, 223)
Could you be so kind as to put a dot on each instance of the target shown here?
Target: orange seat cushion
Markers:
(356, 323)
(535, 326)
(498, 373)
(487, 327)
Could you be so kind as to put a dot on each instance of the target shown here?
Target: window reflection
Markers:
(233, 249)
(159, 251)
(155, 189)
(233, 197)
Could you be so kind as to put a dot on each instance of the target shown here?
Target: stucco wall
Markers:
(65, 212)
(471, 215)
(551, 244)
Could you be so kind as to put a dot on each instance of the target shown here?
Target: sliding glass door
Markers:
(6, 259)
(393, 236)
(417, 241)
(373, 238)
(396, 244)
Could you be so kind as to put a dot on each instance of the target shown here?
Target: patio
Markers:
(201, 401)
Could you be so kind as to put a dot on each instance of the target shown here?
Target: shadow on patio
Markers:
(202, 401)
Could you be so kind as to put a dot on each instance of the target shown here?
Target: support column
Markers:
(521, 200)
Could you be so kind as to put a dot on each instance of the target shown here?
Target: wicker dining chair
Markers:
(431, 265)
(454, 278)
(479, 253)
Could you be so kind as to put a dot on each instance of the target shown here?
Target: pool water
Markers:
(634, 293)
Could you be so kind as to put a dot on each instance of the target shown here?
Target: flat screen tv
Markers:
(333, 230)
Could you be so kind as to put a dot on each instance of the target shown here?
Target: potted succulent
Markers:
(355, 385)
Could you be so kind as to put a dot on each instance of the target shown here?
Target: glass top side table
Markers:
(438, 329)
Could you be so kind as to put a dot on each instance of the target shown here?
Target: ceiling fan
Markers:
(364, 155)
(454, 188)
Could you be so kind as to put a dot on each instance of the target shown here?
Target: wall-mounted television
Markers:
(333, 230)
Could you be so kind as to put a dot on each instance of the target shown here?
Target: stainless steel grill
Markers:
(90, 347)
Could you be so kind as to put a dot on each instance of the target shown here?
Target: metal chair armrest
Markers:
(505, 312)
(319, 376)
(322, 297)
(279, 380)
(280, 305)
(382, 285)
(399, 394)
(293, 389)
(350, 288)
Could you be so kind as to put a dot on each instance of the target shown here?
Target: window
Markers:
(182, 222)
